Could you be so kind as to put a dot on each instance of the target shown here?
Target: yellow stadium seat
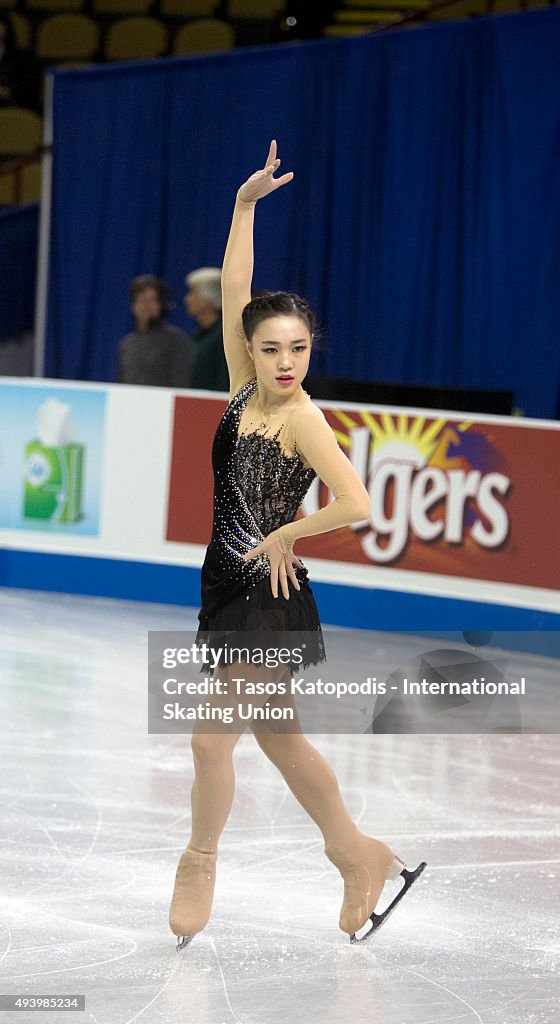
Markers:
(22, 30)
(461, 9)
(21, 130)
(30, 187)
(359, 30)
(259, 10)
(187, 8)
(22, 185)
(132, 38)
(75, 63)
(205, 36)
(121, 6)
(398, 5)
(7, 187)
(359, 19)
(67, 37)
(55, 5)
(505, 6)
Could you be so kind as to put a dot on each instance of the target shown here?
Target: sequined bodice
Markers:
(257, 488)
(272, 483)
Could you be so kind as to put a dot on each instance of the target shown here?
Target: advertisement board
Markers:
(51, 458)
(119, 479)
(468, 497)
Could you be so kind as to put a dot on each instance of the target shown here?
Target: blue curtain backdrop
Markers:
(18, 269)
(423, 221)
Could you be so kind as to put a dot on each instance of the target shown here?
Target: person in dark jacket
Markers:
(203, 302)
(155, 353)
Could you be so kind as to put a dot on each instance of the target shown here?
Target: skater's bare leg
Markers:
(211, 800)
(213, 788)
(362, 861)
(214, 782)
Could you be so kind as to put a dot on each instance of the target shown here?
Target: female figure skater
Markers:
(270, 444)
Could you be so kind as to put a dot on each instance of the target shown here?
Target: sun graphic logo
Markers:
(422, 482)
(37, 469)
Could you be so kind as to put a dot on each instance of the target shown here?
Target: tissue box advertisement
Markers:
(51, 458)
(53, 482)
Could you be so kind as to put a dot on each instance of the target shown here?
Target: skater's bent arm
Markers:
(316, 442)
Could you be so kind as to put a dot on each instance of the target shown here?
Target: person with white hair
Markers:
(203, 302)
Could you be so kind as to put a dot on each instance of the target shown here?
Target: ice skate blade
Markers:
(182, 941)
(378, 919)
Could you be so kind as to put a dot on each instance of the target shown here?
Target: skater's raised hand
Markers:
(261, 183)
(282, 561)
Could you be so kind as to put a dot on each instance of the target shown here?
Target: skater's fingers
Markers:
(277, 182)
(259, 549)
(252, 553)
(271, 153)
(292, 575)
(284, 579)
(274, 578)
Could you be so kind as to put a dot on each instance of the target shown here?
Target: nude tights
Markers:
(307, 773)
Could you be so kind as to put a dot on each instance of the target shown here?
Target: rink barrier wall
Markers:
(107, 490)
(350, 607)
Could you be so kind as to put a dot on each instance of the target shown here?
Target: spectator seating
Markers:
(22, 30)
(358, 16)
(30, 185)
(461, 9)
(188, 8)
(55, 5)
(257, 9)
(67, 37)
(137, 37)
(21, 132)
(206, 35)
(121, 6)
(21, 186)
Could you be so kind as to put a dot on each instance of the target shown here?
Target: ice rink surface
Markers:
(95, 813)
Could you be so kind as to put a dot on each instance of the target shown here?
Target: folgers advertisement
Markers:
(462, 497)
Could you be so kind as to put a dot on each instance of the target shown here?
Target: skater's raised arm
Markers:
(237, 270)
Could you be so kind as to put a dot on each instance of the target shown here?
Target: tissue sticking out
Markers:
(54, 467)
(55, 426)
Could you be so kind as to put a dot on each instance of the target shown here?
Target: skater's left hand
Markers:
(282, 561)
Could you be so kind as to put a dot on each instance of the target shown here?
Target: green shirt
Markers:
(209, 370)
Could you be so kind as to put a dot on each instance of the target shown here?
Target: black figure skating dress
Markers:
(257, 489)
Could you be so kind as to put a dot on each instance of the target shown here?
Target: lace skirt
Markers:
(255, 619)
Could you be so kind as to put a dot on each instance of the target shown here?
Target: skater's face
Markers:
(280, 349)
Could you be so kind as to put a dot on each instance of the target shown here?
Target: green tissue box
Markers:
(53, 482)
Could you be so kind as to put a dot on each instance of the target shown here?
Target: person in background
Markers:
(155, 353)
(20, 73)
(203, 302)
